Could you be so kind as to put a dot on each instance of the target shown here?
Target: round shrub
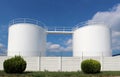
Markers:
(90, 66)
(14, 65)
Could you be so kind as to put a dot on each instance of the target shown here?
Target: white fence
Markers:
(65, 63)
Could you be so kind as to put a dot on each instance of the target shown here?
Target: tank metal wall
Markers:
(26, 40)
(92, 40)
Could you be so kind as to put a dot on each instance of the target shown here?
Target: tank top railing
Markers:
(26, 20)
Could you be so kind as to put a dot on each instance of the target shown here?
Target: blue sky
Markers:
(60, 13)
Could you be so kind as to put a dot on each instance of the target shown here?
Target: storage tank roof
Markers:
(27, 20)
(83, 24)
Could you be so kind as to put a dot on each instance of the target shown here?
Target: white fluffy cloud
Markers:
(54, 46)
(1, 45)
(68, 42)
(58, 48)
(2, 49)
(112, 19)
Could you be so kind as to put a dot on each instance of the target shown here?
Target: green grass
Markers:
(61, 74)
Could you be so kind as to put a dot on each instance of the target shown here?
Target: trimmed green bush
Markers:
(14, 65)
(90, 66)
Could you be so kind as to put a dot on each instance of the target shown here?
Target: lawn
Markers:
(62, 74)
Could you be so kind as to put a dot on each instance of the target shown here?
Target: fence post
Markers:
(61, 62)
(19, 53)
(101, 57)
(82, 56)
(40, 62)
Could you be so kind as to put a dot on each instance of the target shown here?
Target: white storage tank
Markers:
(26, 39)
(92, 40)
